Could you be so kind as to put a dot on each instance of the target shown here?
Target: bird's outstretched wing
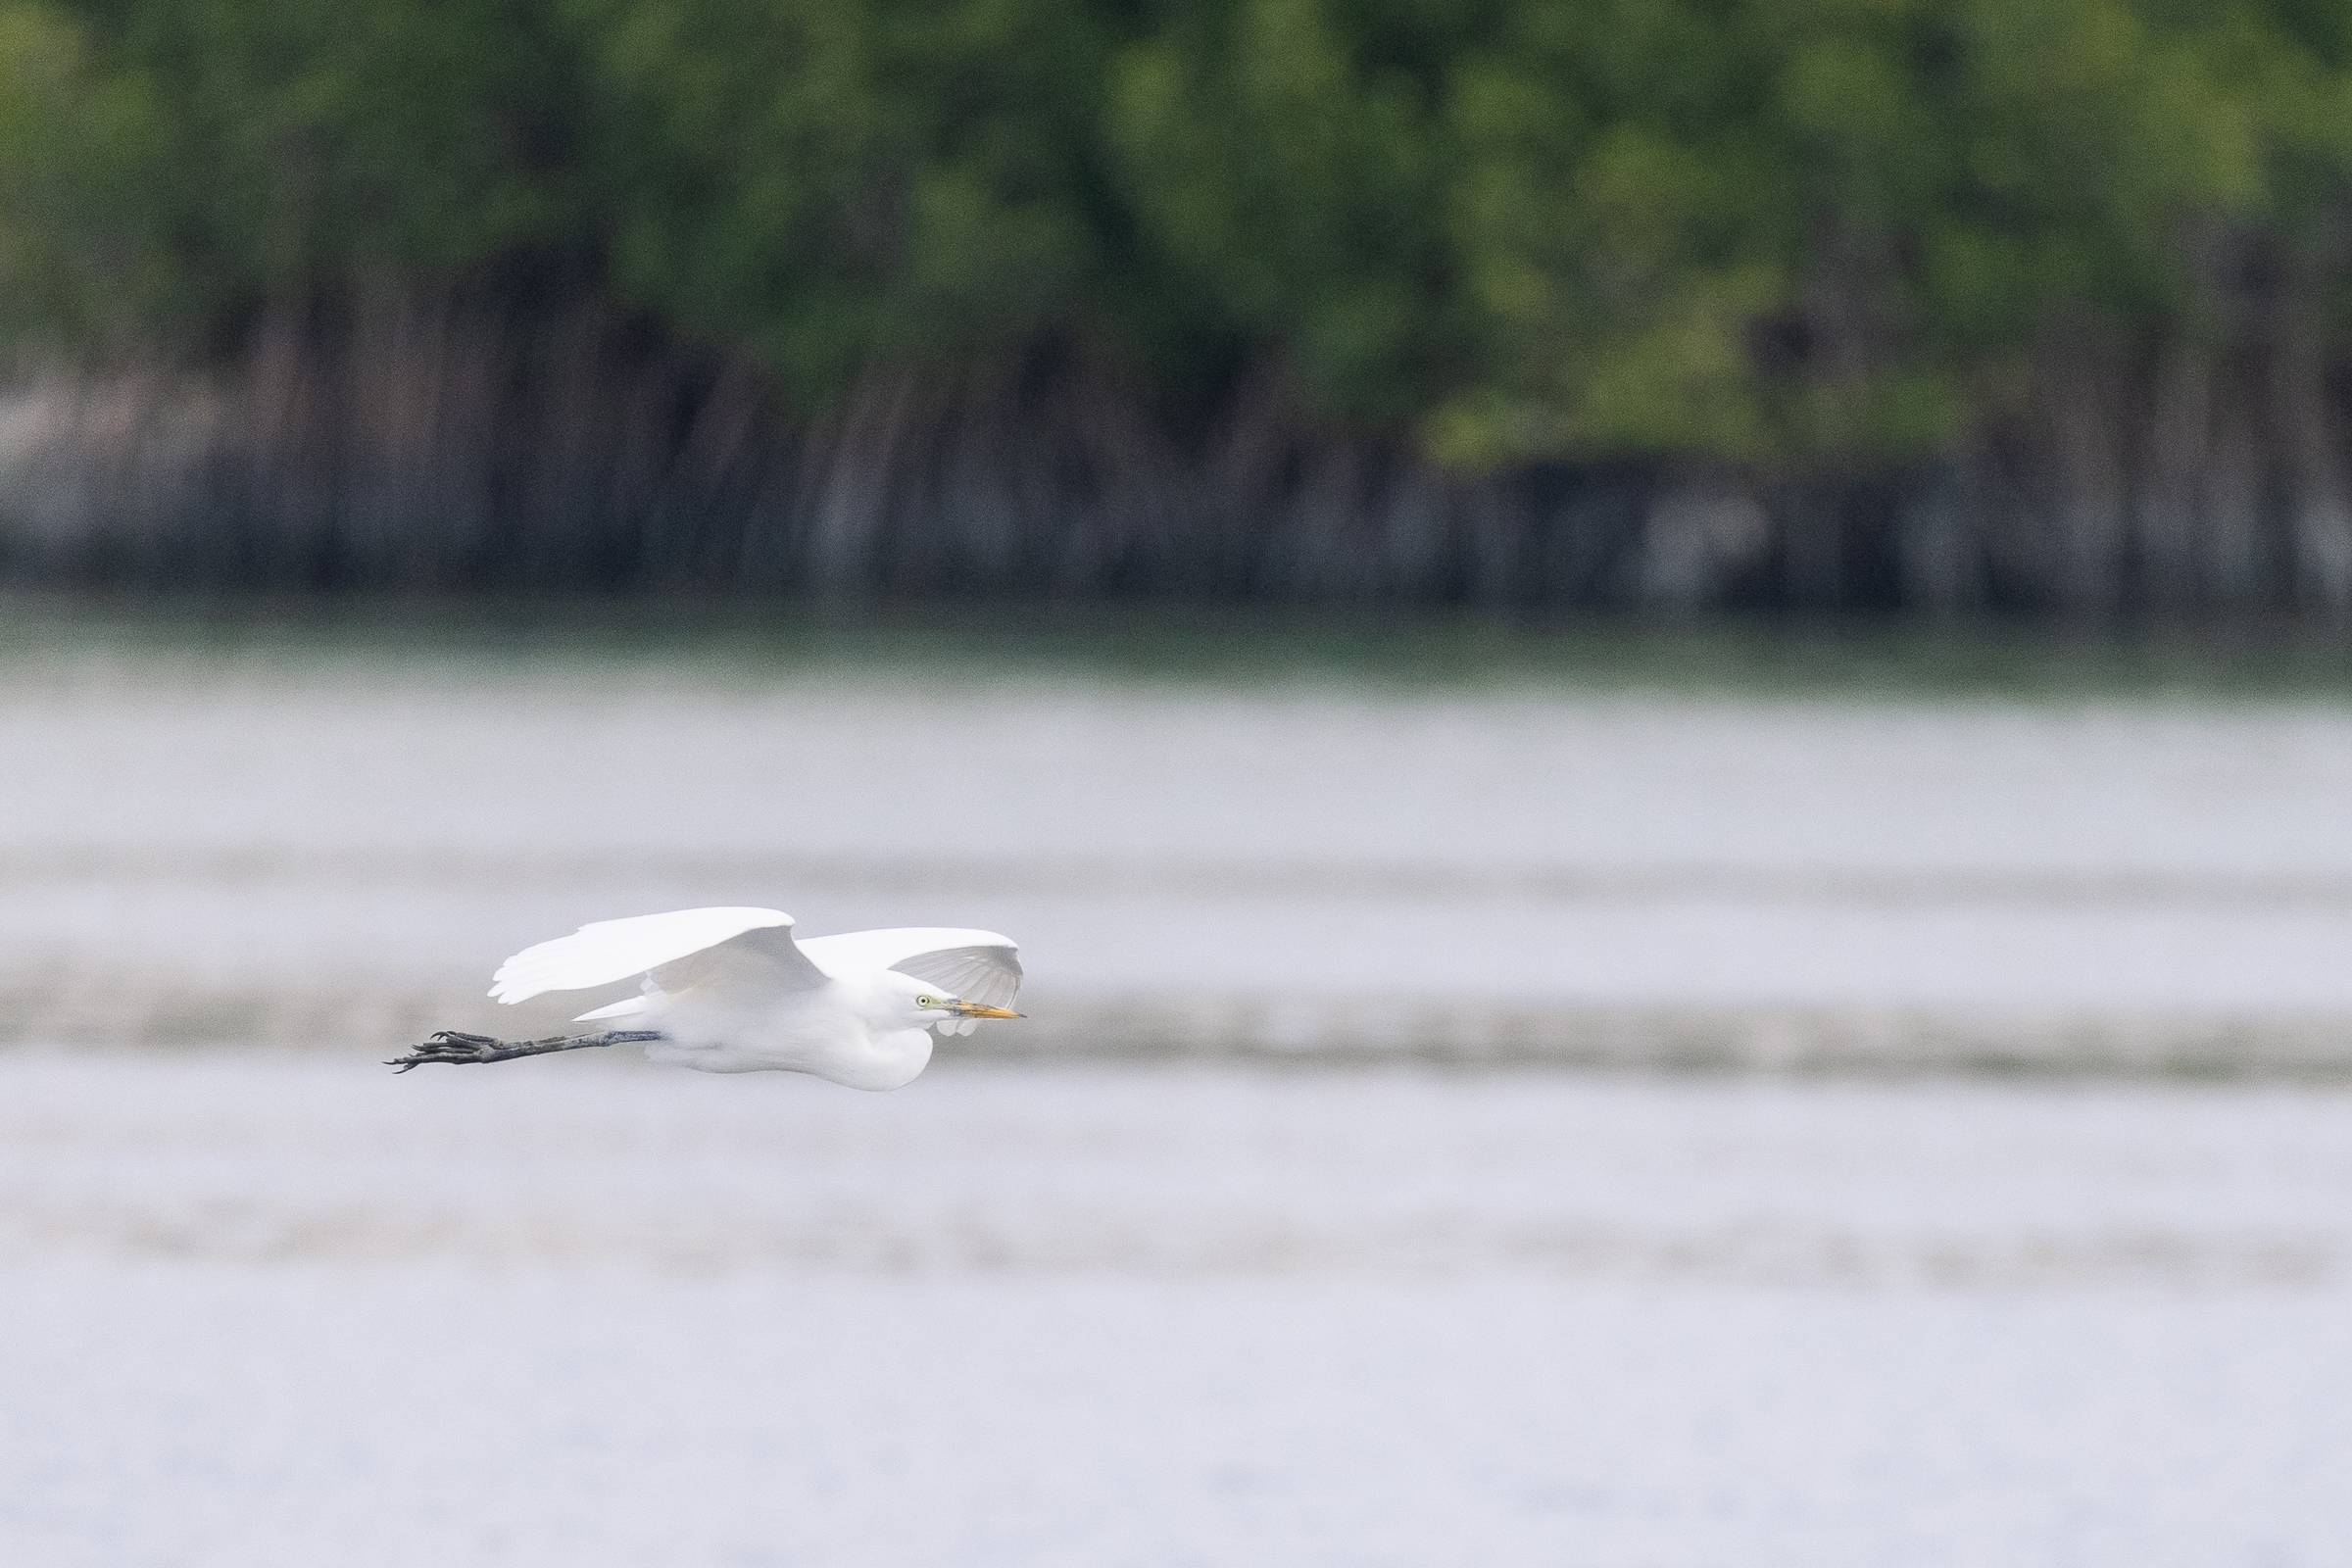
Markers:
(977, 966)
(685, 948)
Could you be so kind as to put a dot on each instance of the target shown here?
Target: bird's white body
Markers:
(850, 1031)
(729, 990)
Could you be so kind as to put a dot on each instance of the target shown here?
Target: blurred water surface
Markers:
(1280, 1231)
(1210, 835)
(277, 1308)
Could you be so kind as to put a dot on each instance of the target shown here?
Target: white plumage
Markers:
(729, 990)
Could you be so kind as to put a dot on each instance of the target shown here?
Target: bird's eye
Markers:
(926, 1001)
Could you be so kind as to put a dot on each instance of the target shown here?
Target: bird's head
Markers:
(926, 1005)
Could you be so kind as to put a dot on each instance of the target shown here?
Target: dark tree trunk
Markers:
(2083, 385)
(2319, 503)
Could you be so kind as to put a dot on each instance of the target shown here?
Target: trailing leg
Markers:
(459, 1048)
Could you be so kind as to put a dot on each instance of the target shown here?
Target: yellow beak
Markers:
(979, 1010)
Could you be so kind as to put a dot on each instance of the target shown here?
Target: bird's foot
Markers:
(457, 1047)
(460, 1048)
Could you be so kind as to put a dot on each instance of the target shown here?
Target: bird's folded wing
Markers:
(977, 966)
(607, 951)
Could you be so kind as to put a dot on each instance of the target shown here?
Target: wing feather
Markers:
(626, 1006)
(605, 950)
(976, 966)
(763, 961)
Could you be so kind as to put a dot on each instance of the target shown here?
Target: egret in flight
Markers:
(728, 989)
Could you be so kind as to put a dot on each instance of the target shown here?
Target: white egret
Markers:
(728, 989)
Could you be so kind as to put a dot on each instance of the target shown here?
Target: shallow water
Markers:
(234, 830)
(266, 1308)
(1240, 1248)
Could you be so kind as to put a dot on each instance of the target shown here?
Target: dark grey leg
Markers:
(458, 1048)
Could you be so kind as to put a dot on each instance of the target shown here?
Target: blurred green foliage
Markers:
(1776, 231)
